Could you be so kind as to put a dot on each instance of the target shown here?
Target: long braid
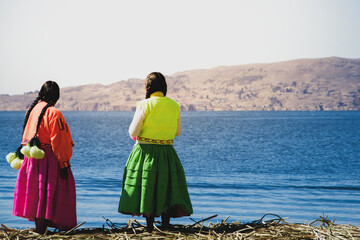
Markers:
(28, 113)
(25, 122)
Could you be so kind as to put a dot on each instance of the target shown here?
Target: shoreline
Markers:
(276, 228)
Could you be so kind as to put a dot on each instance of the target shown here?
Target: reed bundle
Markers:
(275, 228)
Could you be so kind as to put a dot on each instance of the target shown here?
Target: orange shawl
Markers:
(53, 133)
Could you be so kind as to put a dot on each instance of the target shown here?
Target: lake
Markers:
(299, 165)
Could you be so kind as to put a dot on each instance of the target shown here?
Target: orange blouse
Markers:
(53, 133)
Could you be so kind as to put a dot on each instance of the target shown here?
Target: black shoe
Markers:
(150, 224)
(165, 227)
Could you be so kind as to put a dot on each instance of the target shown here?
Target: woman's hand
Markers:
(64, 173)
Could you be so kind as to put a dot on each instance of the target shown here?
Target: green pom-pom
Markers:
(26, 150)
(16, 163)
(10, 157)
(36, 153)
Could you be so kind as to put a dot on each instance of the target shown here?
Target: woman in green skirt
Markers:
(154, 181)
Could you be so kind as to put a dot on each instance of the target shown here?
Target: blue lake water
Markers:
(298, 165)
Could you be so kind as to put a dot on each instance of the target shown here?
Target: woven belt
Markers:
(155, 141)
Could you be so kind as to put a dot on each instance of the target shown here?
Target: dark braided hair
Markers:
(29, 111)
(155, 82)
(49, 93)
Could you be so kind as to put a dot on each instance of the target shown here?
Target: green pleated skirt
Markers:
(154, 183)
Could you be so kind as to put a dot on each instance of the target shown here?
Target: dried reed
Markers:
(275, 228)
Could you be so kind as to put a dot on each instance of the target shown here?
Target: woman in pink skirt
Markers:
(45, 188)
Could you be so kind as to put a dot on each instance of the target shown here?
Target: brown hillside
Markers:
(305, 84)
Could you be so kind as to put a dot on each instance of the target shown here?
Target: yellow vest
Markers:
(161, 117)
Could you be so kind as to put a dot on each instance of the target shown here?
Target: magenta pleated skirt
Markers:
(40, 192)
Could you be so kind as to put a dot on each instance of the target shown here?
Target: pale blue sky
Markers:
(76, 42)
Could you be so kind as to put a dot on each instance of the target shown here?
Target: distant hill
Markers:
(304, 84)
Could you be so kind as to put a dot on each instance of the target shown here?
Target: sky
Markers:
(78, 42)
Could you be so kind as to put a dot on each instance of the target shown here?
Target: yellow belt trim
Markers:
(155, 141)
